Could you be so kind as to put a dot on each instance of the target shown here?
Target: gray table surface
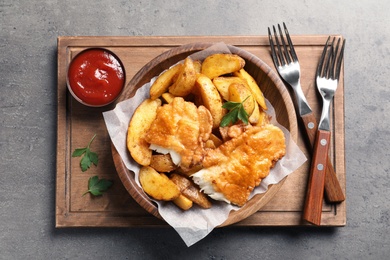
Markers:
(28, 34)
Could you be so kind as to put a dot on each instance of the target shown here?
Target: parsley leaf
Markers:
(79, 152)
(88, 157)
(97, 186)
(237, 112)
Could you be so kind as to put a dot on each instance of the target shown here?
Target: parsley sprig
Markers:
(88, 158)
(97, 186)
(236, 112)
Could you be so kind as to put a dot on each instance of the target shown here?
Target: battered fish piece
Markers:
(181, 129)
(236, 167)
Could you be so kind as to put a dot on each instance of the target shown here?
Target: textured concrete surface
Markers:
(28, 33)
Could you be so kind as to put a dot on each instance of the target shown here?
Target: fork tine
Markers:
(334, 57)
(279, 53)
(282, 51)
(328, 66)
(339, 61)
(273, 51)
(284, 44)
(321, 62)
(292, 50)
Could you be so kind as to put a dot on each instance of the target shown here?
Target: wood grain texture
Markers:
(116, 208)
(333, 190)
(315, 190)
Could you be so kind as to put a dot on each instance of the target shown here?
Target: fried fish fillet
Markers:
(236, 167)
(181, 129)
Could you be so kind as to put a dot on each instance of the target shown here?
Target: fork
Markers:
(327, 78)
(287, 64)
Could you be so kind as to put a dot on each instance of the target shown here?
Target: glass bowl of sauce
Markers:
(95, 77)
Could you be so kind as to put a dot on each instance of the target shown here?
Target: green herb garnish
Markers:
(236, 112)
(97, 186)
(88, 158)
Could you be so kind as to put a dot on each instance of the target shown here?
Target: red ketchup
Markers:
(96, 77)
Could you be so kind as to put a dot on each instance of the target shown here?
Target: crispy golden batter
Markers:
(236, 167)
(183, 128)
(229, 132)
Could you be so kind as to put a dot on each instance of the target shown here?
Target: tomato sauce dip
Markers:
(96, 77)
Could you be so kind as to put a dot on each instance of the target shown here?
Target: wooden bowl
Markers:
(270, 84)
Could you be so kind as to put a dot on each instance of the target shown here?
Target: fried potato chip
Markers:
(139, 124)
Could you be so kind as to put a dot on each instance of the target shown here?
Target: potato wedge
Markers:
(238, 92)
(162, 163)
(188, 172)
(209, 144)
(220, 64)
(255, 89)
(168, 97)
(183, 202)
(158, 185)
(139, 124)
(197, 66)
(211, 98)
(223, 83)
(185, 80)
(162, 83)
(254, 118)
(190, 190)
(216, 140)
(263, 119)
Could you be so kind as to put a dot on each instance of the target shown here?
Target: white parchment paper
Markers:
(196, 223)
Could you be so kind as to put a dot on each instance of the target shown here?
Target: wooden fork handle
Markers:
(315, 191)
(333, 191)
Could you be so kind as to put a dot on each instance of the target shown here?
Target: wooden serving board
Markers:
(116, 208)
